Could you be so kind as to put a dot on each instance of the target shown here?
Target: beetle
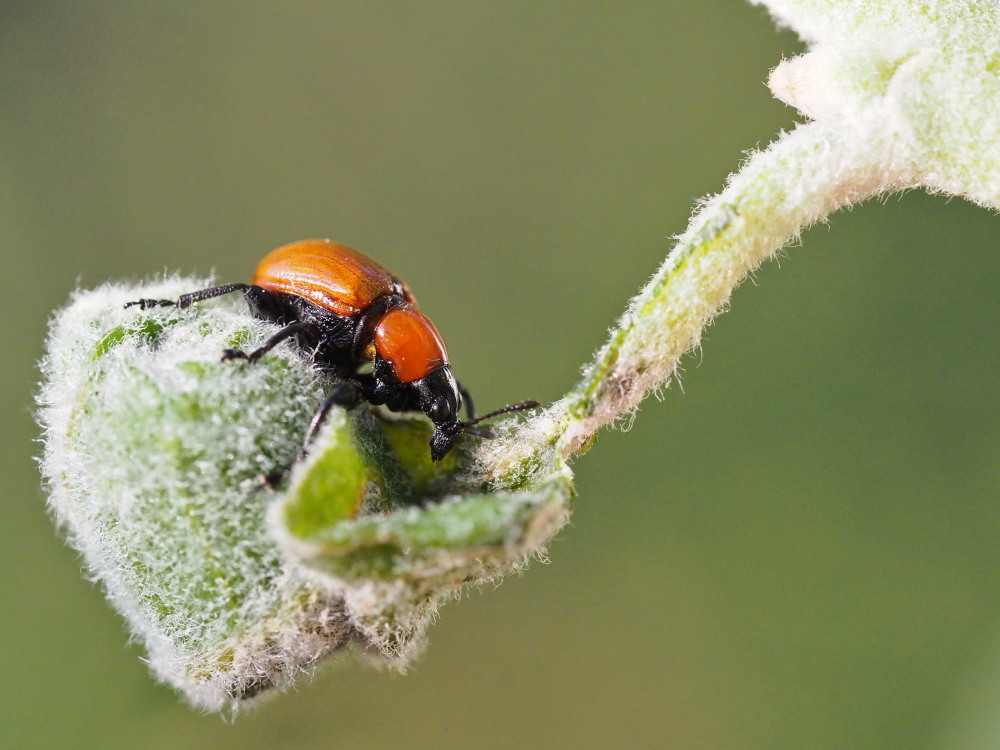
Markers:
(348, 310)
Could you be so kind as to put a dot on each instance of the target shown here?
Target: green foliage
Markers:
(155, 456)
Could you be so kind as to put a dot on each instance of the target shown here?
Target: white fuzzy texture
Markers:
(818, 20)
(394, 615)
(932, 69)
(152, 456)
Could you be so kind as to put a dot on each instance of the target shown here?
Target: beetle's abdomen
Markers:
(328, 274)
(410, 343)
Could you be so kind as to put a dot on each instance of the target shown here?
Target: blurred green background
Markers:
(801, 549)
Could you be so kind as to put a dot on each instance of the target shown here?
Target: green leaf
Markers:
(155, 454)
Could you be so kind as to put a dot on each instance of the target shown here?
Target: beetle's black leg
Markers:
(145, 304)
(186, 300)
(470, 407)
(366, 385)
(345, 394)
(260, 301)
(287, 332)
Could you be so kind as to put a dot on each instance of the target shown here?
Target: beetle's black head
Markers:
(444, 435)
(441, 441)
(440, 399)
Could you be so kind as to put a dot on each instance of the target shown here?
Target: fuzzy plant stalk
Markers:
(154, 449)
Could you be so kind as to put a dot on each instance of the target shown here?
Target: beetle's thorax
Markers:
(409, 342)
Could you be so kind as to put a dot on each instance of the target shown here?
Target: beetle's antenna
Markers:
(466, 427)
(484, 434)
(513, 407)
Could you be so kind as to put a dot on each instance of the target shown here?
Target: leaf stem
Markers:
(800, 179)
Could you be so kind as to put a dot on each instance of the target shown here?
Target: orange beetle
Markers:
(348, 310)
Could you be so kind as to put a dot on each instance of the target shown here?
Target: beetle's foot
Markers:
(253, 357)
(228, 355)
(145, 304)
(274, 479)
